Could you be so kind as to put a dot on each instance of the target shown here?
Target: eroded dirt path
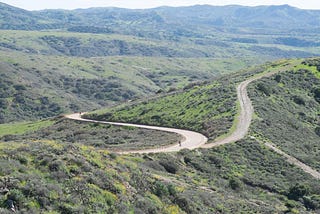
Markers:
(294, 161)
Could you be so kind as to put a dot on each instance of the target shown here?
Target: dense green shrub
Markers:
(316, 92)
(3, 103)
(317, 130)
(312, 202)
(160, 189)
(298, 191)
(265, 89)
(185, 204)
(235, 183)
(278, 78)
(299, 100)
(170, 166)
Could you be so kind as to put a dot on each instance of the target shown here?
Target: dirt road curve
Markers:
(245, 116)
(244, 121)
(191, 140)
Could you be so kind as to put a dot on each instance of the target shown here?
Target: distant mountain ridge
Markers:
(244, 16)
(283, 17)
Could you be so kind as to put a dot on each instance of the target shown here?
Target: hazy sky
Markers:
(73, 4)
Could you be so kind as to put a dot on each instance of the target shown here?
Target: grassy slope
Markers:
(219, 45)
(62, 177)
(207, 108)
(57, 84)
(93, 45)
(23, 127)
(288, 112)
(160, 70)
(100, 136)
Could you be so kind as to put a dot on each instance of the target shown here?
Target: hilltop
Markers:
(107, 20)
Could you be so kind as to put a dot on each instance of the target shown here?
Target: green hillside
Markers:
(287, 107)
(45, 74)
(38, 86)
(201, 108)
(62, 169)
(207, 108)
(221, 45)
(108, 137)
(171, 22)
(62, 177)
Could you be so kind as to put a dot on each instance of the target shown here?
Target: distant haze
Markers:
(73, 4)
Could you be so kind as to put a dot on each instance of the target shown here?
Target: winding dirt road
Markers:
(193, 140)
(244, 118)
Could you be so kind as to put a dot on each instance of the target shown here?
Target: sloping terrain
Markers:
(288, 111)
(222, 45)
(81, 176)
(101, 136)
(206, 108)
(196, 31)
(188, 139)
(36, 86)
(242, 122)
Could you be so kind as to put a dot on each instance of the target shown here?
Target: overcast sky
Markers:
(73, 4)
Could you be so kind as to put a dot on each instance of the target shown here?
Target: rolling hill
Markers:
(38, 86)
(282, 18)
(74, 173)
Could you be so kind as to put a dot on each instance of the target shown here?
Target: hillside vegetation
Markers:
(209, 108)
(287, 108)
(287, 105)
(171, 22)
(100, 136)
(47, 176)
(36, 86)
(63, 167)
(57, 61)
(222, 45)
